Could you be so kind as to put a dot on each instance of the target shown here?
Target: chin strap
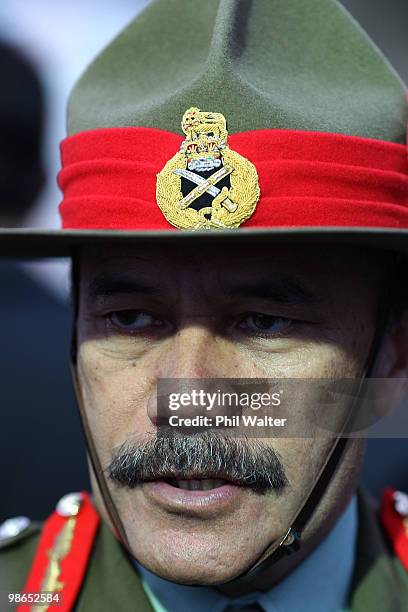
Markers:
(96, 464)
(291, 541)
(91, 449)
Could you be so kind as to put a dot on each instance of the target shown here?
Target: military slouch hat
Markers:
(227, 119)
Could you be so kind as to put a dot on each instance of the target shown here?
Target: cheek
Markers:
(315, 383)
(308, 360)
(115, 396)
(303, 459)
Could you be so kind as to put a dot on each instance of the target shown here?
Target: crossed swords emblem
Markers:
(206, 186)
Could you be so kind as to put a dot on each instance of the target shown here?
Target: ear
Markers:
(390, 374)
(392, 360)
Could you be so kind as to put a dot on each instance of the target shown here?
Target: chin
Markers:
(199, 574)
(197, 563)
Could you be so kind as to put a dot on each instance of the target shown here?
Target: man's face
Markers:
(237, 312)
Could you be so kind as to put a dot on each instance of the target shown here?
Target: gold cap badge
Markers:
(206, 185)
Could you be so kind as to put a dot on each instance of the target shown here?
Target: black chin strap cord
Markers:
(97, 468)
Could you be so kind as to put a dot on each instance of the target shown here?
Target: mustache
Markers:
(202, 455)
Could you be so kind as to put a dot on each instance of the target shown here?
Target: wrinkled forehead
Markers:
(316, 267)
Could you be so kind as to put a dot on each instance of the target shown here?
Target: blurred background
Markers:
(45, 45)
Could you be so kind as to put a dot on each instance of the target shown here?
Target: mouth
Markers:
(197, 495)
(196, 484)
(197, 481)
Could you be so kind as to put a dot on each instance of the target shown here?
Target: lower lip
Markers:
(187, 500)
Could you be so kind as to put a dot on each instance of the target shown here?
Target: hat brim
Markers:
(34, 243)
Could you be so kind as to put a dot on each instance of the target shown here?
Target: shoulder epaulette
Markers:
(394, 518)
(63, 551)
(16, 529)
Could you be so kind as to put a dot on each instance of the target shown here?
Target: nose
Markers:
(194, 352)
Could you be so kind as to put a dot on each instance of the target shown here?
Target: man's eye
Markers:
(133, 320)
(259, 323)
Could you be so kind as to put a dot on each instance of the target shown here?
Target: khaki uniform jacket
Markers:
(380, 584)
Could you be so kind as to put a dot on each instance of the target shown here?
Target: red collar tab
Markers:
(109, 179)
(394, 517)
(63, 552)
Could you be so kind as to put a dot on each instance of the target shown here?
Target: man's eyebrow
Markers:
(282, 290)
(107, 285)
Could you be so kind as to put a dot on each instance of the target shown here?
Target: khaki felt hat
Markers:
(253, 120)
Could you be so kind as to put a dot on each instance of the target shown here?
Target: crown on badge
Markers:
(206, 185)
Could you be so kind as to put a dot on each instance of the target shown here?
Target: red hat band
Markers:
(108, 179)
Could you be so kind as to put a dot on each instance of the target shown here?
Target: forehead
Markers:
(222, 265)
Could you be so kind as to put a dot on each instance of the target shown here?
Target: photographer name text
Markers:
(245, 420)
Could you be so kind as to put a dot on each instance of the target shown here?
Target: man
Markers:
(288, 190)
